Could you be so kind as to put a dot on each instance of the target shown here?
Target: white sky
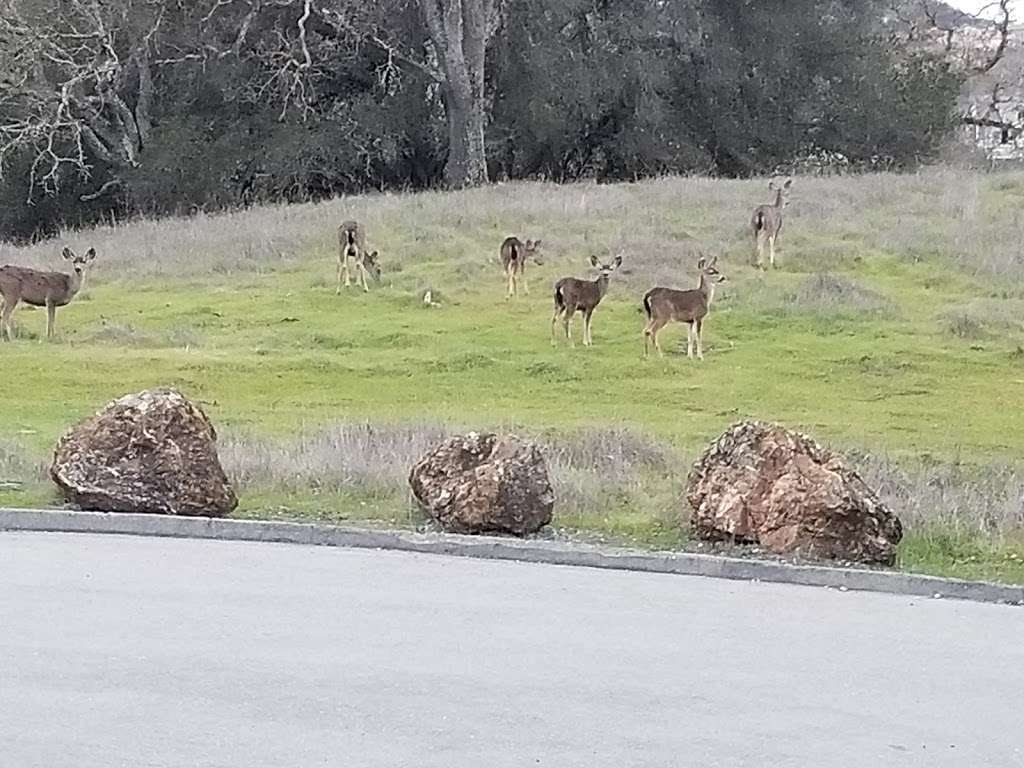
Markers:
(974, 6)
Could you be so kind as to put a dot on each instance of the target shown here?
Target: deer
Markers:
(767, 222)
(573, 295)
(41, 289)
(663, 305)
(352, 248)
(514, 253)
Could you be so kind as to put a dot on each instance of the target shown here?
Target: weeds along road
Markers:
(153, 652)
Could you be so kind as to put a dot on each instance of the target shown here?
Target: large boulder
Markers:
(154, 451)
(485, 483)
(760, 483)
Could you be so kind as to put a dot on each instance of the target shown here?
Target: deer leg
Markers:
(653, 331)
(586, 328)
(362, 277)
(348, 273)
(699, 333)
(5, 321)
(567, 321)
(771, 250)
(689, 340)
(51, 314)
(337, 290)
(759, 251)
(511, 283)
(554, 321)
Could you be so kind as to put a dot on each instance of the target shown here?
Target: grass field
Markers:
(893, 329)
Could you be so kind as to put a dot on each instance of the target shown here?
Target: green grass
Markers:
(918, 353)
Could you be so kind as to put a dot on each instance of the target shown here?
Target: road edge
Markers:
(495, 548)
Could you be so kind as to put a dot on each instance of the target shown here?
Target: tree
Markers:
(460, 31)
(452, 57)
(77, 88)
(981, 49)
(210, 104)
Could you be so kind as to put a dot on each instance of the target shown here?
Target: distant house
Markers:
(992, 103)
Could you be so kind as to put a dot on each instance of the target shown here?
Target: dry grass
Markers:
(591, 467)
(984, 318)
(594, 473)
(18, 467)
(963, 498)
(936, 213)
(612, 485)
(825, 292)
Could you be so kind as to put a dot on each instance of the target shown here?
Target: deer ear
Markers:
(68, 254)
(593, 260)
(771, 186)
(618, 261)
(90, 254)
(536, 243)
(788, 184)
(714, 261)
(701, 263)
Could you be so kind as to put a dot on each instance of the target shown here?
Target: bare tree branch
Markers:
(93, 100)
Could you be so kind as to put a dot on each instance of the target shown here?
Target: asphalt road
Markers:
(133, 652)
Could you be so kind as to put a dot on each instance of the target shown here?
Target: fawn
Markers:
(352, 247)
(767, 222)
(663, 305)
(514, 253)
(41, 289)
(573, 295)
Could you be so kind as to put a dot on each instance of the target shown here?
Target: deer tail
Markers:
(647, 304)
(759, 221)
(559, 298)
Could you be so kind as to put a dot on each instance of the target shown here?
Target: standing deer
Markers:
(352, 247)
(514, 253)
(41, 289)
(767, 222)
(663, 305)
(573, 295)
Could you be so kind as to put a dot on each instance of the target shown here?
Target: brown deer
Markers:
(663, 305)
(352, 248)
(41, 289)
(514, 253)
(573, 295)
(767, 222)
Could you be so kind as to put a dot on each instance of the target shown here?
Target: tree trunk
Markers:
(460, 30)
(467, 160)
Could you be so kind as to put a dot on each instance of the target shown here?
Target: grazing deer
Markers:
(573, 295)
(41, 289)
(352, 247)
(767, 222)
(514, 253)
(663, 305)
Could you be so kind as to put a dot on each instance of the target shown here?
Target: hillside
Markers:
(941, 14)
(892, 329)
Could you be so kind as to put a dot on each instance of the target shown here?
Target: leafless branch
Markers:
(95, 98)
(103, 190)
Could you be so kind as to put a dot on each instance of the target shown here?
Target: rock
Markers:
(485, 483)
(764, 484)
(154, 451)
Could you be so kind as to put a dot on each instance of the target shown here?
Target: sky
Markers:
(974, 6)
